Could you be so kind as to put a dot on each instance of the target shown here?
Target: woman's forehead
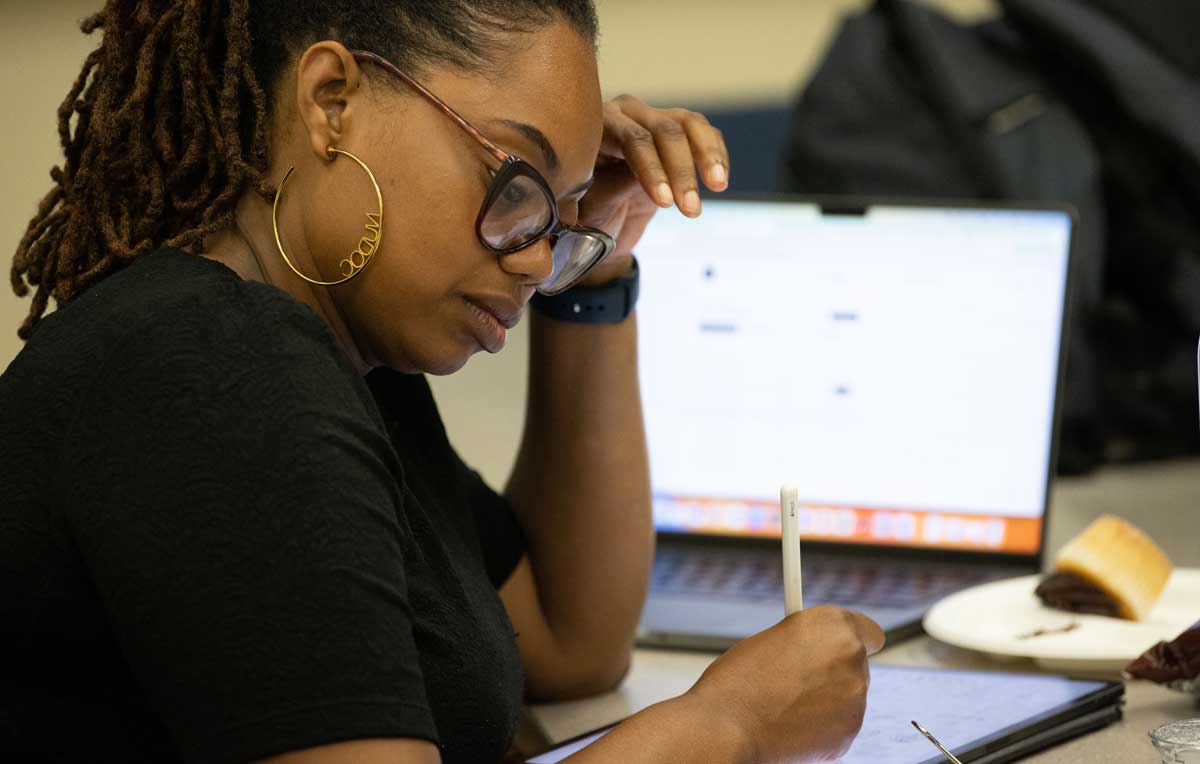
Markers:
(545, 95)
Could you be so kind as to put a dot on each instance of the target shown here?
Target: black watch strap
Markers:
(609, 303)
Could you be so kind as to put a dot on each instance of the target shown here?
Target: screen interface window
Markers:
(898, 366)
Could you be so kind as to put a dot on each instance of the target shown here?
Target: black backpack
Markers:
(1094, 103)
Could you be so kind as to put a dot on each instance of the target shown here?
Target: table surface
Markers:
(1159, 498)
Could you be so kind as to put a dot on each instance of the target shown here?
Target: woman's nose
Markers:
(533, 264)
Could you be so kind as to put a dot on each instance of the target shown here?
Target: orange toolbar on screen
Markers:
(852, 525)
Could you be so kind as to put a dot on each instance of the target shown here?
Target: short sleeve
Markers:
(500, 537)
(411, 414)
(234, 499)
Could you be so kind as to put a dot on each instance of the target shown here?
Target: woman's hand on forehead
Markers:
(664, 148)
(648, 159)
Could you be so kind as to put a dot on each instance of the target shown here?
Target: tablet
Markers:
(982, 716)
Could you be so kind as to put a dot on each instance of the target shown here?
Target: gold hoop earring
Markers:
(352, 265)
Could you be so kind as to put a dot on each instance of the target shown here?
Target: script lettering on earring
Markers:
(366, 246)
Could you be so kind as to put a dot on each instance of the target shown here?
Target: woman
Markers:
(234, 526)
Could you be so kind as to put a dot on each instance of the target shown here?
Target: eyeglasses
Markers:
(519, 208)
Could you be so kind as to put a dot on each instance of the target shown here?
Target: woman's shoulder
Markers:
(166, 339)
(172, 302)
(180, 318)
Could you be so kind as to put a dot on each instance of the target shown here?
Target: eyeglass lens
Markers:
(521, 211)
(575, 252)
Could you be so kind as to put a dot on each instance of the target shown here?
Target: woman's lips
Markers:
(490, 330)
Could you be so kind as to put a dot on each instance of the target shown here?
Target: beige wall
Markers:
(668, 51)
(43, 50)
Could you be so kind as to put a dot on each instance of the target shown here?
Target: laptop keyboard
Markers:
(754, 574)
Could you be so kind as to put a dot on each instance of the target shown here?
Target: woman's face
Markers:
(430, 296)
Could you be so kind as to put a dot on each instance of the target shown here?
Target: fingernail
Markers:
(691, 201)
(662, 194)
(718, 174)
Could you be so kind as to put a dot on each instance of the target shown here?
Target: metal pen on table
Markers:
(953, 759)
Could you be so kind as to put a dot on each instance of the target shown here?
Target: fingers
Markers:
(664, 147)
(868, 631)
(626, 138)
(671, 140)
(865, 630)
(708, 148)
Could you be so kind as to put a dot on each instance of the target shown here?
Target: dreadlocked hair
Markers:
(167, 125)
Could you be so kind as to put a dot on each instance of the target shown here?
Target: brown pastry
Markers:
(1111, 568)
(1067, 591)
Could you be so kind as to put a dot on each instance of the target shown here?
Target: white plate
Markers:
(997, 619)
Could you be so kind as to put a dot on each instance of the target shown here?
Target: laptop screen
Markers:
(899, 367)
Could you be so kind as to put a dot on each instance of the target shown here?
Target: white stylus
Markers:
(793, 596)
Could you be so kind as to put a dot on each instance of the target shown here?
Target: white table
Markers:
(1162, 499)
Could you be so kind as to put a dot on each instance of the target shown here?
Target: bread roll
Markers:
(1119, 560)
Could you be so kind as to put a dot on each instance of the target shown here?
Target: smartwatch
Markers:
(609, 303)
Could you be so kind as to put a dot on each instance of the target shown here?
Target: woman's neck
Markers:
(246, 248)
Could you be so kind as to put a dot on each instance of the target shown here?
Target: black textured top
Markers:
(218, 542)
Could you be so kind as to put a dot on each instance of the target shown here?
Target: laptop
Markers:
(900, 363)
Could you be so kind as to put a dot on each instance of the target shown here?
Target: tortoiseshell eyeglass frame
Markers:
(510, 166)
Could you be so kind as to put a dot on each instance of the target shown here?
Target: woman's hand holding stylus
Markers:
(797, 691)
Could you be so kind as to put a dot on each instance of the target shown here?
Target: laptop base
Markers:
(707, 598)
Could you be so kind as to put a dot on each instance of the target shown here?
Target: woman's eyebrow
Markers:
(583, 187)
(538, 138)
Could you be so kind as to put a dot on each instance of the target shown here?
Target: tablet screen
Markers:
(964, 709)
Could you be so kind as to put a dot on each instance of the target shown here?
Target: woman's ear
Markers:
(328, 81)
